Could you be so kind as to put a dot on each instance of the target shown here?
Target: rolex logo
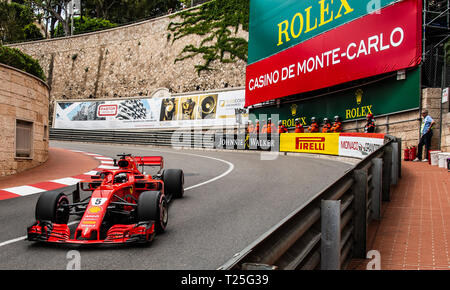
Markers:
(294, 110)
(359, 94)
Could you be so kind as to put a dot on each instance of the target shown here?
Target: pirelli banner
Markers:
(300, 46)
(183, 111)
(316, 143)
(358, 145)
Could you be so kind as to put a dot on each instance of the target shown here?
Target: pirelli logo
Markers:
(310, 143)
(319, 143)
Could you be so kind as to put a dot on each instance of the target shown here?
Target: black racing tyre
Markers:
(50, 207)
(173, 183)
(152, 206)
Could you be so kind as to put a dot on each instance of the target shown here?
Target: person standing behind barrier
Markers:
(256, 128)
(250, 127)
(298, 126)
(314, 127)
(370, 125)
(426, 132)
(326, 126)
(337, 125)
(268, 128)
(282, 128)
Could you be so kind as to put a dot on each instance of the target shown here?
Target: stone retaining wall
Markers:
(22, 97)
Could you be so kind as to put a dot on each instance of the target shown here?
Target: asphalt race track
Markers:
(231, 199)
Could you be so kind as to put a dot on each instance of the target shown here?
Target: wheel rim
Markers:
(61, 215)
(164, 214)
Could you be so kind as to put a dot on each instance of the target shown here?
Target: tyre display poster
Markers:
(208, 109)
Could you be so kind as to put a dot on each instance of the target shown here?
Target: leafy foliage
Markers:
(16, 23)
(16, 58)
(218, 21)
(126, 11)
(85, 24)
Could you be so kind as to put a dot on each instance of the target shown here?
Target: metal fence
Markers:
(174, 138)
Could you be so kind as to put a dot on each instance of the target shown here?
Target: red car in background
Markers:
(126, 205)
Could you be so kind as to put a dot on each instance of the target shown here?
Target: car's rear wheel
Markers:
(173, 183)
(152, 206)
(52, 206)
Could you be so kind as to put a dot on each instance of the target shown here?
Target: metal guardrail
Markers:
(324, 233)
(156, 138)
(331, 228)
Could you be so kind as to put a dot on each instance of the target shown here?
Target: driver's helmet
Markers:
(120, 178)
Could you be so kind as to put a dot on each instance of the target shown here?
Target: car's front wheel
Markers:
(152, 206)
(52, 206)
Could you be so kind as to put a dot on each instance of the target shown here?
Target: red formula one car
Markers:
(126, 206)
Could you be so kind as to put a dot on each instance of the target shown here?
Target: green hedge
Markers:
(17, 59)
(85, 25)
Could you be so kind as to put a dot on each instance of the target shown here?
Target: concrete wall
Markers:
(22, 97)
(127, 61)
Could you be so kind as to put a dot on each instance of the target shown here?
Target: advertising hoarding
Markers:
(206, 109)
(384, 97)
(278, 25)
(316, 143)
(359, 145)
(370, 45)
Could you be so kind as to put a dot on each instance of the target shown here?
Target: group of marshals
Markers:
(327, 127)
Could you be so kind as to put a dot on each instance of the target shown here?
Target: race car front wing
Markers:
(46, 231)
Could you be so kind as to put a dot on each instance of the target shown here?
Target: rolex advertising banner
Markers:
(327, 43)
(209, 109)
(383, 97)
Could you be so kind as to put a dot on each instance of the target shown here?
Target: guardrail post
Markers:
(387, 168)
(377, 189)
(395, 164)
(330, 254)
(360, 192)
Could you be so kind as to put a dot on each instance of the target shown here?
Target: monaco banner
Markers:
(377, 43)
(359, 145)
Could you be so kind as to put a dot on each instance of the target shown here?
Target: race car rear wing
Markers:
(150, 161)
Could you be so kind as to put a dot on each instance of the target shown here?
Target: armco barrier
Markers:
(330, 229)
(155, 138)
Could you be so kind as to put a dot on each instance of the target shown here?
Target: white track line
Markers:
(24, 237)
(230, 168)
